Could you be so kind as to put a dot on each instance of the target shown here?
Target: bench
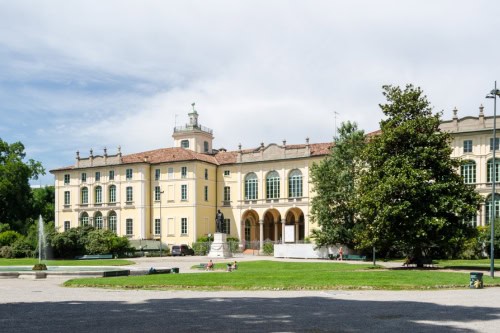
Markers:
(95, 256)
(125, 272)
(354, 257)
(159, 271)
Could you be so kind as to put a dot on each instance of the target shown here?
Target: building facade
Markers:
(173, 194)
(472, 142)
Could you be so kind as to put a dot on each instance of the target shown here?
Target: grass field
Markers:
(480, 264)
(96, 262)
(272, 275)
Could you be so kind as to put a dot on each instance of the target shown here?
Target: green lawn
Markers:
(272, 275)
(96, 262)
(480, 264)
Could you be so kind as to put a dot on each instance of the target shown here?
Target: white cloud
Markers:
(104, 73)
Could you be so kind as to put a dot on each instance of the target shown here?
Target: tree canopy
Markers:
(412, 197)
(15, 190)
(334, 207)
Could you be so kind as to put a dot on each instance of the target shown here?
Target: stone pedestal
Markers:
(220, 247)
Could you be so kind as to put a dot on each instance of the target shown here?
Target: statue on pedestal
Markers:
(219, 219)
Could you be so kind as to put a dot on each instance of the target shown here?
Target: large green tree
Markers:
(15, 191)
(412, 198)
(44, 203)
(335, 183)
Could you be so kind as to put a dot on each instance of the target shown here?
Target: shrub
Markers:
(9, 237)
(268, 248)
(6, 252)
(22, 249)
(201, 248)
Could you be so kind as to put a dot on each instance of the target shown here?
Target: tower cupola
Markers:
(193, 136)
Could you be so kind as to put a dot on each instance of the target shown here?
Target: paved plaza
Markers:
(28, 305)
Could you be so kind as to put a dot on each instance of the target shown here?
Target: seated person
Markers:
(210, 266)
(234, 266)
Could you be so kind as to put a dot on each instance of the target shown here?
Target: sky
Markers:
(80, 75)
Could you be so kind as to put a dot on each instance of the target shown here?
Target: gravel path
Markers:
(43, 305)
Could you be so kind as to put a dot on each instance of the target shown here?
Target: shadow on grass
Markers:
(244, 314)
(468, 268)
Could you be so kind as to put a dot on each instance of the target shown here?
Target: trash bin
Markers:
(476, 280)
(175, 269)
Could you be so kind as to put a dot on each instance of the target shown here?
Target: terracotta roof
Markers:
(165, 155)
(226, 157)
(168, 155)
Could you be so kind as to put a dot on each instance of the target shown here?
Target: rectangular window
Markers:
(84, 177)
(67, 225)
(128, 174)
(157, 226)
(85, 196)
(227, 194)
(129, 224)
(66, 179)
(468, 172)
(170, 173)
(496, 143)
(157, 174)
(111, 174)
(184, 192)
(98, 195)
(206, 193)
(471, 221)
(467, 146)
(157, 193)
(184, 226)
(184, 171)
(227, 173)
(97, 176)
(206, 173)
(67, 198)
(226, 226)
(130, 194)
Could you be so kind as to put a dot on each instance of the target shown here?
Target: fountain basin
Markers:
(10, 272)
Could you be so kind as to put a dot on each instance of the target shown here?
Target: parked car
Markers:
(182, 250)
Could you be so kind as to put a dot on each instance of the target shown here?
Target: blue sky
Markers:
(76, 75)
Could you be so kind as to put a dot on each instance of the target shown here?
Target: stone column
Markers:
(283, 221)
(296, 231)
(275, 231)
(261, 230)
(104, 222)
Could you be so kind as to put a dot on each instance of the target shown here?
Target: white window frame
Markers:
(251, 186)
(129, 194)
(184, 226)
(184, 192)
(67, 198)
(129, 174)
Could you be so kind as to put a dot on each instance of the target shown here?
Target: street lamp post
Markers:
(493, 94)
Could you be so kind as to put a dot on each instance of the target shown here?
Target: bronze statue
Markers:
(219, 219)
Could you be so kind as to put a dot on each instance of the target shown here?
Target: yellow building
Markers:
(472, 142)
(173, 194)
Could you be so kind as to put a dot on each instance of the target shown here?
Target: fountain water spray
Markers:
(41, 246)
(41, 240)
